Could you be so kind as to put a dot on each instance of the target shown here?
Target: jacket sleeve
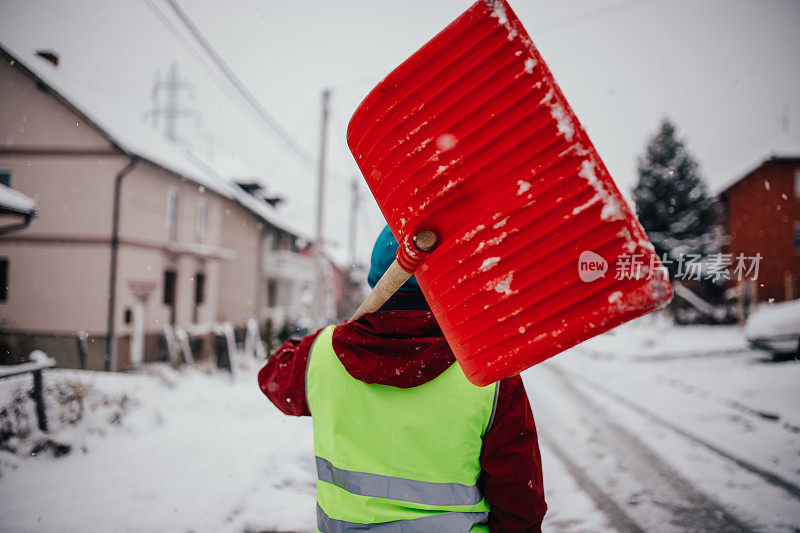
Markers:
(283, 378)
(511, 465)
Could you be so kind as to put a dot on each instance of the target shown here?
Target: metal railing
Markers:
(35, 368)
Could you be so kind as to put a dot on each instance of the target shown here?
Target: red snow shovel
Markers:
(470, 139)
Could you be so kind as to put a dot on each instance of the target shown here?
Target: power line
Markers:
(241, 94)
(202, 61)
(279, 132)
(589, 15)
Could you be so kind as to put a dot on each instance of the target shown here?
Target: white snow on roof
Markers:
(16, 201)
(781, 147)
(136, 138)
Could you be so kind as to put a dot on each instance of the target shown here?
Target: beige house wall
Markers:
(74, 198)
(239, 279)
(143, 208)
(31, 118)
(73, 193)
(146, 247)
(55, 287)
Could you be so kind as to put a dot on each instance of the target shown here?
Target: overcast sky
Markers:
(727, 72)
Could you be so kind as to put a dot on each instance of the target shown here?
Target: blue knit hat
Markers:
(383, 253)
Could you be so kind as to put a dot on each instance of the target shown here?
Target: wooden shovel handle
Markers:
(393, 278)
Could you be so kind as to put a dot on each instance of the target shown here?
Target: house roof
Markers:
(750, 171)
(134, 138)
(784, 148)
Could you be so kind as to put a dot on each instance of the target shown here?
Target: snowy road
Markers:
(649, 428)
(639, 491)
(653, 450)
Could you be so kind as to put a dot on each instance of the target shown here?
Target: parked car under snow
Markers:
(775, 328)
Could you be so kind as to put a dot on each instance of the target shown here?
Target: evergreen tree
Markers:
(672, 201)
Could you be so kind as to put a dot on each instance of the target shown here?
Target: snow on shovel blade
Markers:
(472, 138)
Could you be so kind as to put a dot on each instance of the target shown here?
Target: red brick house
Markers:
(762, 216)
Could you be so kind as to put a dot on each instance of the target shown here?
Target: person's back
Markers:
(385, 453)
(403, 441)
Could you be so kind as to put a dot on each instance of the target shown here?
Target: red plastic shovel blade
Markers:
(471, 138)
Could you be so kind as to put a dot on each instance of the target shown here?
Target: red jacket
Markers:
(405, 348)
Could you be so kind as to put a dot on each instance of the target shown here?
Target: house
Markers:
(132, 235)
(762, 219)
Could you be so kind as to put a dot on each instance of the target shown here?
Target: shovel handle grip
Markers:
(395, 276)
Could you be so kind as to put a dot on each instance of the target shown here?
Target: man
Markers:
(403, 441)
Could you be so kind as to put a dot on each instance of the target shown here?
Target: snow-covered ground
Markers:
(648, 428)
(673, 429)
(192, 452)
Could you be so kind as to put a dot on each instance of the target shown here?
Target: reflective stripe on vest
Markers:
(391, 459)
(447, 522)
(398, 488)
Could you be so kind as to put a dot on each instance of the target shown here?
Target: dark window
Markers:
(797, 184)
(797, 238)
(128, 315)
(170, 278)
(3, 279)
(272, 293)
(5, 177)
(199, 294)
(169, 287)
(199, 288)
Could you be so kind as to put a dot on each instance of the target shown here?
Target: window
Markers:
(202, 220)
(272, 293)
(797, 184)
(5, 177)
(171, 218)
(169, 287)
(199, 288)
(199, 294)
(3, 279)
(797, 237)
(170, 279)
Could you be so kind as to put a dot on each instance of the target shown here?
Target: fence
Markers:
(225, 349)
(35, 368)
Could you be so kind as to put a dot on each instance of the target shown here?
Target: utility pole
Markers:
(318, 240)
(354, 201)
(354, 293)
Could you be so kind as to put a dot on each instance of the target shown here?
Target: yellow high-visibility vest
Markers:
(392, 459)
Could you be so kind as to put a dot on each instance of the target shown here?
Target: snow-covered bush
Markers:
(75, 407)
